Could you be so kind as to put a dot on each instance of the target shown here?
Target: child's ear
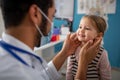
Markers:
(100, 34)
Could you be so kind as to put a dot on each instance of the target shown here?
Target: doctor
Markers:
(26, 21)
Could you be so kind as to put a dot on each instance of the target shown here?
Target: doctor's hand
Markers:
(70, 44)
(87, 53)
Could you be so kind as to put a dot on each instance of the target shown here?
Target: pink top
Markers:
(103, 65)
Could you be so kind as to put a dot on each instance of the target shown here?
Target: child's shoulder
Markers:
(103, 50)
(104, 53)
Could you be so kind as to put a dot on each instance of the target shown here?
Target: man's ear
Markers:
(34, 14)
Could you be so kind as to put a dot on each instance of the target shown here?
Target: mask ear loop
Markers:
(45, 16)
(47, 19)
(39, 31)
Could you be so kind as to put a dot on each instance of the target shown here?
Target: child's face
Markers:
(87, 30)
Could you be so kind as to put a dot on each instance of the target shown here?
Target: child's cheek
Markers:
(89, 38)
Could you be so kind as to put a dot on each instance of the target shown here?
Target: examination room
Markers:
(59, 40)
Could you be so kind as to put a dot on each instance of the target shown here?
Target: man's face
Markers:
(51, 13)
(46, 27)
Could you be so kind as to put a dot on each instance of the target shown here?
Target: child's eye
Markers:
(80, 27)
(87, 28)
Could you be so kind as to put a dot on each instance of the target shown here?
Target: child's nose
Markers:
(82, 30)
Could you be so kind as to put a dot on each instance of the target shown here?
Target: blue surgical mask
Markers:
(45, 39)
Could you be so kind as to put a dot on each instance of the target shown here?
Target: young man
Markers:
(26, 21)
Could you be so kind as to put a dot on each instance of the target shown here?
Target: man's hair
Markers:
(14, 11)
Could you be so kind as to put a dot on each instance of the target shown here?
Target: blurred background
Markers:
(68, 15)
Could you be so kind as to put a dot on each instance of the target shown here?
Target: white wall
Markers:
(64, 8)
(1, 24)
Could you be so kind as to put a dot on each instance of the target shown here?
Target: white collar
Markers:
(13, 41)
(17, 43)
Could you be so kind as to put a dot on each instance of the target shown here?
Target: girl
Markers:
(91, 27)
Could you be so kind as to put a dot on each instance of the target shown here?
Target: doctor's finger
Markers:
(68, 36)
(73, 36)
(87, 45)
(97, 42)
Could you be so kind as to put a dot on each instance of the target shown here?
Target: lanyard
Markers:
(9, 48)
